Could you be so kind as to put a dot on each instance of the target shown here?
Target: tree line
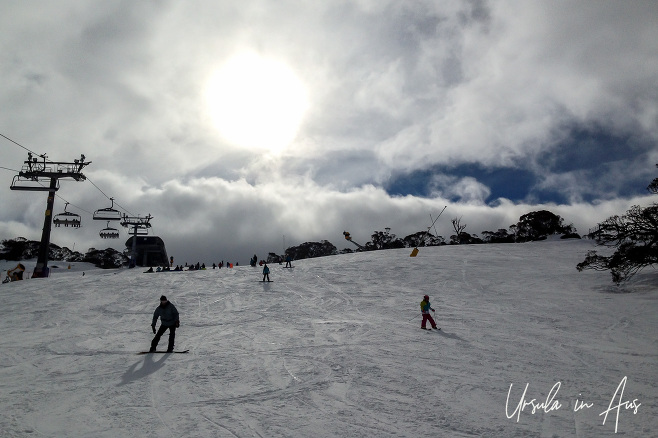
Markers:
(633, 236)
(22, 249)
(536, 225)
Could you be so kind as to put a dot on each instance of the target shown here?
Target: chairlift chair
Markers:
(30, 184)
(141, 231)
(109, 232)
(107, 214)
(67, 219)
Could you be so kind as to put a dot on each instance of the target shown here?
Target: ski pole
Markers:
(416, 316)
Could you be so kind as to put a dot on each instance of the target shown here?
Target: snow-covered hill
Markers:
(333, 348)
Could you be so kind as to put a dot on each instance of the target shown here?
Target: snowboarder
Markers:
(266, 272)
(425, 308)
(168, 315)
(288, 261)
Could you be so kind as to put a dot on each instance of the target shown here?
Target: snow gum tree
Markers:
(539, 224)
(634, 236)
(383, 240)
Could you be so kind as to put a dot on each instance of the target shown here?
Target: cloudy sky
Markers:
(246, 127)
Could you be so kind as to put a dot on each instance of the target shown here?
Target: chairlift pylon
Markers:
(67, 219)
(107, 214)
(109, 232)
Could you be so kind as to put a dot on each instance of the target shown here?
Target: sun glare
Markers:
(256, 102)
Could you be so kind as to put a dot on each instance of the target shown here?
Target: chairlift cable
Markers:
(104, 194)
(18, 144)
(115, 203)
(79, 208)
(57, 195)
(44, 156)
(92, 183)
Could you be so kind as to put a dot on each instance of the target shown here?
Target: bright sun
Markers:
(256, 102)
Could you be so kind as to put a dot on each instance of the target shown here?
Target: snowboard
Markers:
(160, 351)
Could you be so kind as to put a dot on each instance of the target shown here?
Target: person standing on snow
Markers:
(266, 272)
(168, 315)
(425, 308)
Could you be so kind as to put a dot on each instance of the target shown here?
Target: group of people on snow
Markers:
(169, 317)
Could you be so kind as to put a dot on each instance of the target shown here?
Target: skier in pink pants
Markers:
(425, 308)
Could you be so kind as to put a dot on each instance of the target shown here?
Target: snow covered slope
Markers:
(333, 348)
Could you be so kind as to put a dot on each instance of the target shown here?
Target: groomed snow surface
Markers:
(333, 348)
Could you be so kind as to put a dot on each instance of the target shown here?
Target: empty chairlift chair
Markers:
(67, 219)
(107, 214)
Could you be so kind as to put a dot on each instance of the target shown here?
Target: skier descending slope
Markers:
(266, 273)
(425, 308)
(168, 315)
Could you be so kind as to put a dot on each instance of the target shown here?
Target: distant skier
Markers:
(425, 308)
(266, 272)
(169, 319)
(288, 261)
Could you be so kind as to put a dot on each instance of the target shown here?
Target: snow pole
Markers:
(414, 253)
(432, 219)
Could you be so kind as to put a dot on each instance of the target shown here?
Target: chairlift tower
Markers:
(30, 178)
(140, 226)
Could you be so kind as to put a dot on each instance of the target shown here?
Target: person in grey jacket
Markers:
(168, 315)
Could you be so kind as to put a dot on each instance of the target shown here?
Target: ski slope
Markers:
(333, 348)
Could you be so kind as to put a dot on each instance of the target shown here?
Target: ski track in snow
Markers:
(333, 349)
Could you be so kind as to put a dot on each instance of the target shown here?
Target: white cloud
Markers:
(393, 88)
(466, 190)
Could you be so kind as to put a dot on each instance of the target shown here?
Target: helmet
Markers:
(427, 297)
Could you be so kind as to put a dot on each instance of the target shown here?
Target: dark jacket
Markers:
(167, 313)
